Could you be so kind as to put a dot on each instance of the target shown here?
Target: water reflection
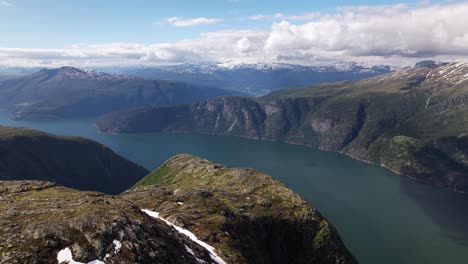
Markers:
(444, 207)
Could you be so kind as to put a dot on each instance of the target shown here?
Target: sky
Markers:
(83, 33)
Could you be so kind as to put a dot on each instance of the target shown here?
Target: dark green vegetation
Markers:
(245, 214)
(71, 92)
(76, 162)
(39, 219)
(413, 121)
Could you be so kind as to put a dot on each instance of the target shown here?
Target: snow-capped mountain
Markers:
(88, 74)
(260, 78)
(233, 66)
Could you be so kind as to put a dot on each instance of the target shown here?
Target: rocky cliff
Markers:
(246, 215)
(44, 223)
(413, 121)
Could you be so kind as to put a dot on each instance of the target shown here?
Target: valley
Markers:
(413, 121)
(233, 132)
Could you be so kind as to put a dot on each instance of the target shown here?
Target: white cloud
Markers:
(5, 3)
(279, 16)
(379, 34)
(304, 16)
(181, 22)
(257, 17)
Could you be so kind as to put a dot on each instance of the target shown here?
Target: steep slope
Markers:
(246, 215)
(259, 79)
(413, 121)
(43, 223)
(80, 163)
(70, 92)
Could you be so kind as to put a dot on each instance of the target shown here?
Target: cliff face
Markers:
(413, 121)
(246, 215)
(41, 222)
(80, 163)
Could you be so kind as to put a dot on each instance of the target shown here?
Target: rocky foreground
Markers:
(40, 221)
(187, 211)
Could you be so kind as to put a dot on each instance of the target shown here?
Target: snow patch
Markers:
(65, 256)
(192, 236)
(190, 251)
(117, 246)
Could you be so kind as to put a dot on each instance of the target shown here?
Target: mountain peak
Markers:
(78, 73)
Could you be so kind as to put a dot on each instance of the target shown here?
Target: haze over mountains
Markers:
(413, 121)
(73, 92)
(259, 78)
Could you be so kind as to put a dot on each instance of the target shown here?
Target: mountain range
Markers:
(413, 121)
(258, 78)
(72, 92)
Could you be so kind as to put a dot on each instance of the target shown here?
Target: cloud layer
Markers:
(181, 22)
(380, 34)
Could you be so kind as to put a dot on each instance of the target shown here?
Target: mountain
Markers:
(187, 211)
(413, 121)
(75, 162)
(261, 78)
(45, 223)
(71, 92)
(246, 215)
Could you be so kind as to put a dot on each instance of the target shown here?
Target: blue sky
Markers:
(60, 23)
(85, 31)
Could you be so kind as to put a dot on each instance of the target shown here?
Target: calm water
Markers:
(382, 217)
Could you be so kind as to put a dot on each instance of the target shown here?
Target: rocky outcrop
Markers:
(75, 162)
(41, 222)
(361, 119)
(187, 211)
(246, 215)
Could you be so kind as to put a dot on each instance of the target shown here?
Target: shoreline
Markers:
(292, 143)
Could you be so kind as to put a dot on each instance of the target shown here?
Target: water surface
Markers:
(382, 217)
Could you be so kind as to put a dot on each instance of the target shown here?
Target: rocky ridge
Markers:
(246, 215)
